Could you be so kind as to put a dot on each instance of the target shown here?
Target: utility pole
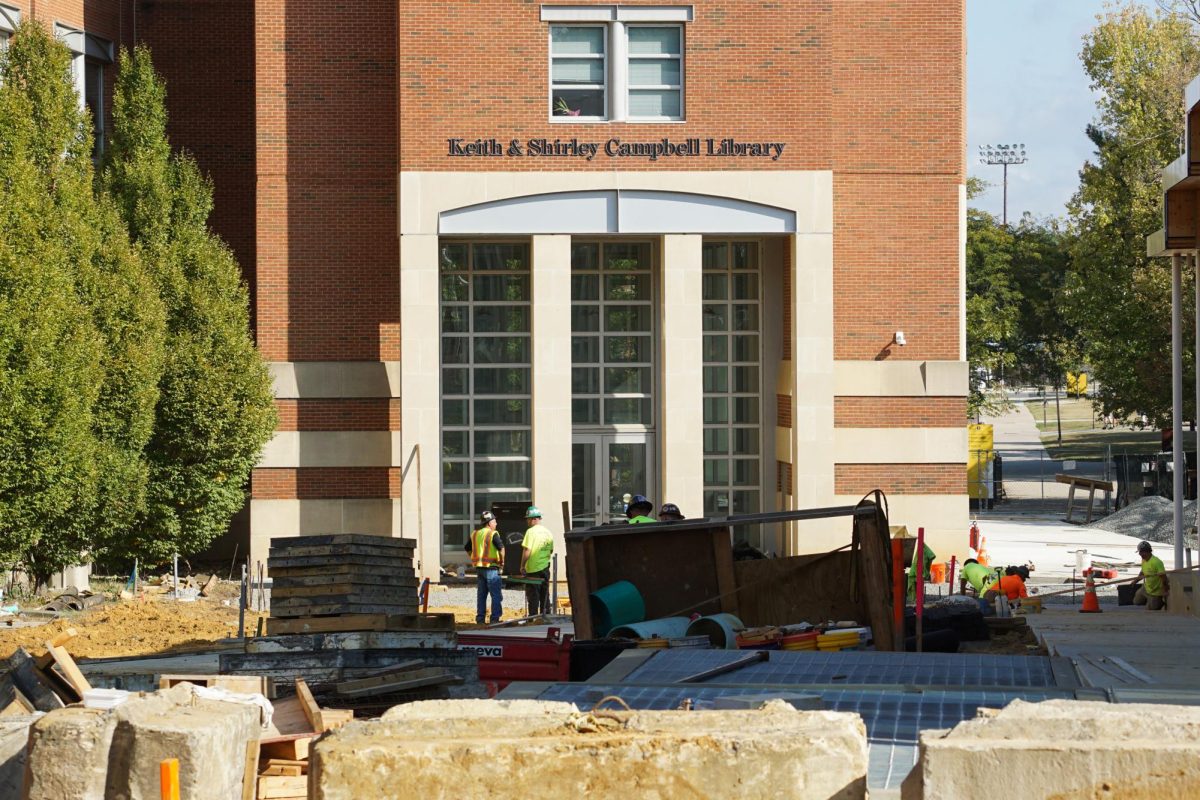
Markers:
(1003, 154)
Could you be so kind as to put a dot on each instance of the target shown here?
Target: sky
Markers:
(1025, 85)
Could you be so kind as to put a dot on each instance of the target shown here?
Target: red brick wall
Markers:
(857, 479)
(326, 168)
(204, 49)
(326, 483)
(339, 415)
(899, 412)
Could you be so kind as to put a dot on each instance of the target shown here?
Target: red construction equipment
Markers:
(504, 659)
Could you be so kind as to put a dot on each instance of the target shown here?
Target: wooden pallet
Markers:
(360, 622)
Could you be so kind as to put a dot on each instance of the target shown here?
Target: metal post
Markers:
(1177, 402)
(1196, 413)
(1005, 207)
(919, 561)
(242, 607)
(175, 575)
(554, 587)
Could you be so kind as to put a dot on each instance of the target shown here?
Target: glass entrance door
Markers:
(606, 467)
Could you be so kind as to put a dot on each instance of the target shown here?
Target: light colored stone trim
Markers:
(291, 449)
(425, 195)
(277, 518)
(420, 397)
(900, 378)
(552, 379)
(295, 380)
(900, 445)
(812, 390)
(682, 388)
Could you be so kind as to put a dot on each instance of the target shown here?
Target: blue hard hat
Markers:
(641, 500)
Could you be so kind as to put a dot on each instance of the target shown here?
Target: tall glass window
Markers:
(732, 378)
(486, 382)
(612, 341)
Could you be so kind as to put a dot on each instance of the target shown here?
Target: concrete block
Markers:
(1063, 749)
(529, 749)
(207, 736)
(14, 739)
(68, 754)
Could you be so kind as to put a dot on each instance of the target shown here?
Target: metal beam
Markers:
(1177, 463)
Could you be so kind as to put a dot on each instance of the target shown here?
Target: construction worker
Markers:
(487, 556)
(1012, 585)
(922, 565)
(639, 510)
(979, 576)
(1153, 592)
(536, 549)
(669, 512)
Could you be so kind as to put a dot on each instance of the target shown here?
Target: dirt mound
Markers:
(135, 627)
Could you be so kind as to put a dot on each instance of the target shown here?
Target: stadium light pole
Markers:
(1002, 154)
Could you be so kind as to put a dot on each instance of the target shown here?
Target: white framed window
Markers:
(616, 63)
(90, 58)
(579, 71)
(655, 73)
(9, 19)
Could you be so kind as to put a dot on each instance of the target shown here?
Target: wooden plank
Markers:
(288, 719)
(781, 591)
(578, 588)
(337, 551)
(312, 711)
(333, 718)
(12, 701)
(344, 538)
(291, 748)
(281, 769)
(874, 564)
(382, 678)
(244, 684)
(65, 636)
(69, 668)
(209, 585)
(398, 682)
(393, 578)
(273, 787)
(286, 763)
(336, 570)
(723, 561)
(338, 592)
(289, 562)
(294, 608)
(250, 770)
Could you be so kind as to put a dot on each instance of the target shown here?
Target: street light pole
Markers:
(1003, 154)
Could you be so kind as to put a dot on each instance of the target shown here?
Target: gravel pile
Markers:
(1150, 518)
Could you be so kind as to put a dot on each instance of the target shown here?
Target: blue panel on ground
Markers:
(851, 668)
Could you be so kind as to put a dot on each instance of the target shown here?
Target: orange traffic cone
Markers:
(1091, 603)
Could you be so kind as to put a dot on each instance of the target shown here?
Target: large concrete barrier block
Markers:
(14, 742)
(1063, 749)
(207, 736)
(68, 754)
(524, 749)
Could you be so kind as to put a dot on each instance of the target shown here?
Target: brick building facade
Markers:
(561, 252)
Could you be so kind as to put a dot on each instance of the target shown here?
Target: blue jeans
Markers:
(487, 581)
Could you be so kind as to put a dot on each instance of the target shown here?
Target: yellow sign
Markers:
(979, 461)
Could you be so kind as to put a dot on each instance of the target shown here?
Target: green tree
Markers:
(1118, 298)
(215, 410)
(991, 301)
(82, 327)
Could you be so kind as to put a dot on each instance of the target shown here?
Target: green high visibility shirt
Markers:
(979, 576)
(641, 518)
(1152, 571)
(539, 541)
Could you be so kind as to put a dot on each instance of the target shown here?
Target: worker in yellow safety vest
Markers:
(487, 556)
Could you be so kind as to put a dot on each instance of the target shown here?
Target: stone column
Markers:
(552, 380)
(812, 356)
(682, 392)
(420, 398)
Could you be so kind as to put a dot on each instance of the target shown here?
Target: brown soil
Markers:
(464, 616)
(133, 627)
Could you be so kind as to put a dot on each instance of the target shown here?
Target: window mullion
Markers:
(619, 72)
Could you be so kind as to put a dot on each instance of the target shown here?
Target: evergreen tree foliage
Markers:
(81, 327)
(215, 409)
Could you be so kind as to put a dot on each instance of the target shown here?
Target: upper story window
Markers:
(9, 19)
(90, 58)
(616, 63)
